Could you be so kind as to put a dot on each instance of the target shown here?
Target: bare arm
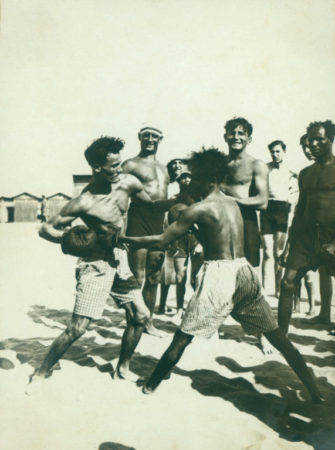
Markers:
(53, 229)
(261, 181)
(174, 231)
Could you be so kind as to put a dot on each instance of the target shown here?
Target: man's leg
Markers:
(326, 294)
(163, 298)
(267, 263)
(137, 315)
(288, 286)
(309, 285)
(154, 263)
(197, 259)
(280, 341)
(279, 239)
(74, 331)
(168, 360)
(180, 265)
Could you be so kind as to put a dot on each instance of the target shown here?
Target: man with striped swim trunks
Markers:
(226, 283)
(102, 269)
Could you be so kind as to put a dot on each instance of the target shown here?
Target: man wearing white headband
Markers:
(143, 220)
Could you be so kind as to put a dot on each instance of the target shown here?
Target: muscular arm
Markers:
(261, 181)
(174, 231)
(53, 229)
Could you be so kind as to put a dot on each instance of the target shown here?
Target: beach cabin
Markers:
(55, 203)
(26, 207)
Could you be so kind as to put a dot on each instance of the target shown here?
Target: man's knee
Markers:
(180, 275)
(154, 278)
(141, 318)
(267, 254)
(76, 329)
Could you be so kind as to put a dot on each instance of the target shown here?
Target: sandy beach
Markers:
(223, 394)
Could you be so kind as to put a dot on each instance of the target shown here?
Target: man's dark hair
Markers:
(303, 141)
(80, 241)
(170, 164)
(274, 143)
(97, 152)
(235, 122)
(328, 125)
(210, 164)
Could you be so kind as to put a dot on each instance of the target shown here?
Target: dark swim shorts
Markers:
(275, 217)
(305, 251)
(144, 221)
(252, 240)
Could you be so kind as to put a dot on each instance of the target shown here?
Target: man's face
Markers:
(176, 167)
(237, 138)
(149, 141)
(277, 154)
(307, 153)
(111, 169)
(184, 179)
(318, 142)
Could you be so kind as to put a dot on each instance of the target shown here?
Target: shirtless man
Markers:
(311, 242)
(274, 220)
(227, 283)
(142, 221)
(246, 181)
(103, 207)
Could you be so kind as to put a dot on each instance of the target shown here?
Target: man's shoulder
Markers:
(258, 165)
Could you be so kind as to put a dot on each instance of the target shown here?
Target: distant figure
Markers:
(227, 283)
(274, 220)
(143, 221)
(102, 269)
(3, 211)
(42, 212)
(311, 242)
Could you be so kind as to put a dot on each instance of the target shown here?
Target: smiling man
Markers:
(102, 270)
(311, 242)
(247, 182)
(143, 221)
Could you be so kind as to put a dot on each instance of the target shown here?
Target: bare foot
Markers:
(311, 312)
(153, 331)
(124, 375)
(179, 314)
(161, 311)
(332, 332)
(265, 345)
(34, 384)
(319, 320)
(147, 390)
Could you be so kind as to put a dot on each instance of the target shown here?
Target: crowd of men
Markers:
(133, 228)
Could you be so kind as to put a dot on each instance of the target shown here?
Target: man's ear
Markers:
(225, 137)
(139, 136)
(249, 139)
(96, 168)
(161, 138)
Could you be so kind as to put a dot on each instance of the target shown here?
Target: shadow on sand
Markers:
(289, 416)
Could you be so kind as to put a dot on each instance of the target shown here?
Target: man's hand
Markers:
(328, 249)
(282, 259)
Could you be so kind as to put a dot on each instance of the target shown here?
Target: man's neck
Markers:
(98, 186)
(236, 155)
(151, 156)
(326, 159)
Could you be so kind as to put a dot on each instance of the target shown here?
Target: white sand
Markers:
(224, 394)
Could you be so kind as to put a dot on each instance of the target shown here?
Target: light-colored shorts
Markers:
(227, 287)
(98, 280)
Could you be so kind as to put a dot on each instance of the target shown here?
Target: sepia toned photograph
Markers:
(167, 224)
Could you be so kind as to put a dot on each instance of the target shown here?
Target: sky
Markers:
(73, 71)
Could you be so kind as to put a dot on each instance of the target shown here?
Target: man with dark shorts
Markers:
(311, 243)
(247, 182)
(274, 220)
(104, 270)
(227, 283)
(143, 221)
